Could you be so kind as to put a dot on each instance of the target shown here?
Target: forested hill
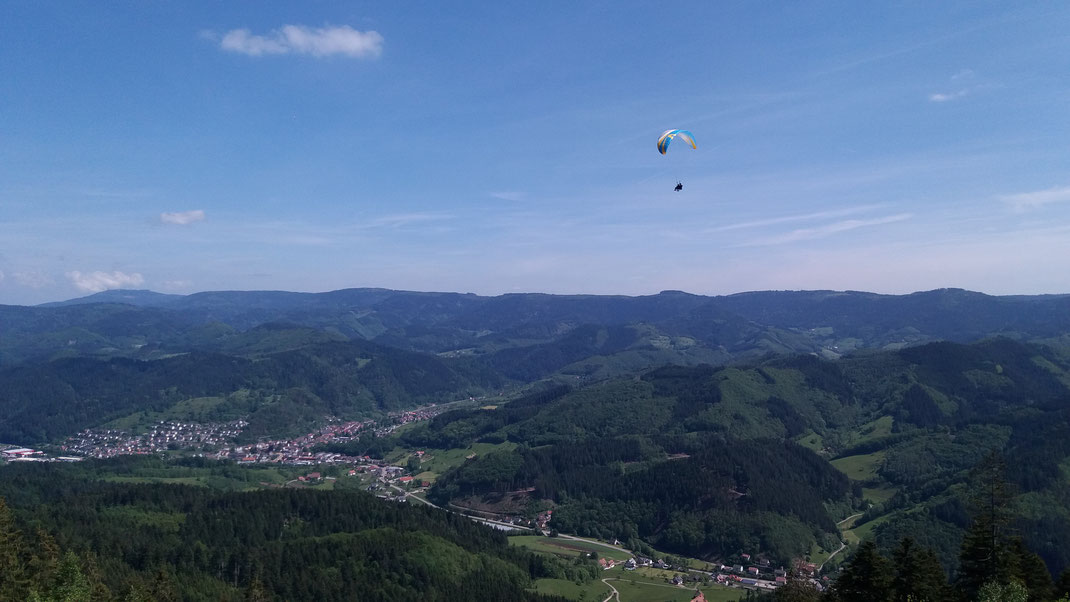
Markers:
(66, 536)
(709, 460)
(278, 394)
(145, 324)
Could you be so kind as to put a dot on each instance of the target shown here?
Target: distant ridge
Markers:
(530, 335)
(138, 297)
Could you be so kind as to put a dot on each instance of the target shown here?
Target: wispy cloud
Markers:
(508, 196)
(1024, 201)
(946, 96)
(300, 39)
(404, 219)
(182, 218)
(795, 218)
(964, 83)
(826, 230)
(95, 282)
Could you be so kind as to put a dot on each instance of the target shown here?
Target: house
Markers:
(405, 480)
(629, 565)
(752, 570)
(738, 568)
(781, 580)
(19, 452)
(678, 580)
(699, 597)
(745, 556)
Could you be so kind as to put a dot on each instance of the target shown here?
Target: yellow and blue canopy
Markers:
(666, 138)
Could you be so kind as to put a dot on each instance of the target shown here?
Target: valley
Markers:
(728, 461)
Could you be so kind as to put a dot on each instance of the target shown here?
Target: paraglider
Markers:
(667, 137)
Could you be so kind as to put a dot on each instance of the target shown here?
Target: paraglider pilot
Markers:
(679, 187)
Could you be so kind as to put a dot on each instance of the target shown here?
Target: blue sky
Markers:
(510, 146)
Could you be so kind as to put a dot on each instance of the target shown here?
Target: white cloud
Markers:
(299, 39)
(182, 218)
(942, 97)
(1025, 201)
(398, 220)
(95, 282)
(795, 218)
(508, 195)
(32, 279)
(828, 229)
(1, 276)
(966, 82)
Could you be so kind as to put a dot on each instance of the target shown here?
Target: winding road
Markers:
(842, 544)
(615, 593)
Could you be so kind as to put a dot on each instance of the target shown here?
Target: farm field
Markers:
(437, 461)
(811, 441)
(860, 468)
(879, 495)
(635, 588)
(595, 591)
(855, 535)
(875, 429)
(566, 547)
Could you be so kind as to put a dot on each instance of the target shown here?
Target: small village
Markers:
(388, 481)
(216, 440)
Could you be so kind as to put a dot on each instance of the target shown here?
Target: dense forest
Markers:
(698, 459)
(67, 535)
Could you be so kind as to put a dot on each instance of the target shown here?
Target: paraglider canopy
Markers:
(666, 138)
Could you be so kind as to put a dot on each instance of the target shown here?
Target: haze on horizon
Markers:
(511, 148)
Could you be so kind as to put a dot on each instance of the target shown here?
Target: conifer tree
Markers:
(255, 592)
(99, 591)
(985, 556)
(14, 581)
(918, 574)
(1032, 572)
(68, 583)
(867, 577)
(44, 559)
(1062, 586)
(162, 587)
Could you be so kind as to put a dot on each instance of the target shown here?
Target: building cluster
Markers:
(160, 437)
(749, 573)
(216, 440)
(12, 453)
